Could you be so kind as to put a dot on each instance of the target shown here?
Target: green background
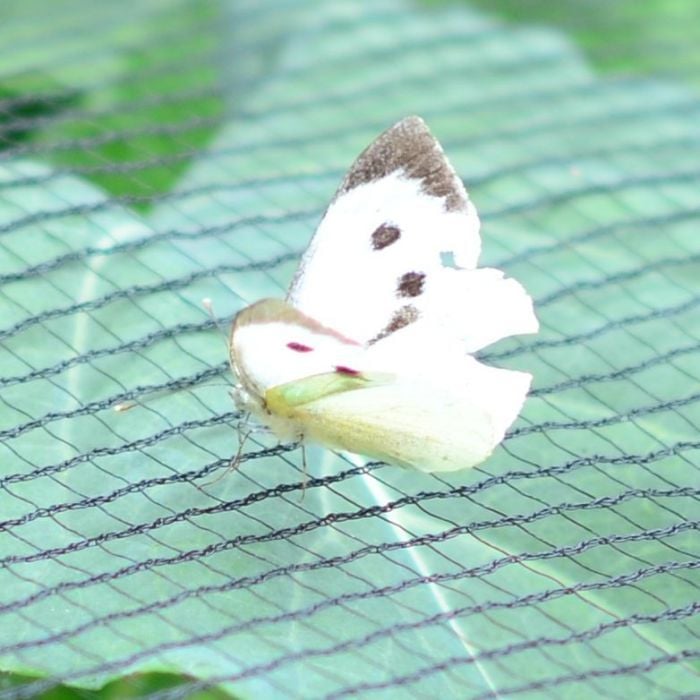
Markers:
(157, 153)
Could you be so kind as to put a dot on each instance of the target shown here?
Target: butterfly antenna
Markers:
(127, 405)
(124, 406)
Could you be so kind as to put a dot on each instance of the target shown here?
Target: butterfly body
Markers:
(369, 352)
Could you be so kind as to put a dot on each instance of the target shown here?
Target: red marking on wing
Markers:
(299, 347)
(342, 369)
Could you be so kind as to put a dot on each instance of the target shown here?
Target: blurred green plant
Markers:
(138, 685)
(133, 112)
(655, 37)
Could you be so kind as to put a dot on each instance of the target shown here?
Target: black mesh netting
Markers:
(154, 154)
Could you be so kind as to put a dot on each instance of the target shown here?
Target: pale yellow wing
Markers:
(418, 423)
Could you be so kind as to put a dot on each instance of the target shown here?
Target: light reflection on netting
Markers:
(197, 166)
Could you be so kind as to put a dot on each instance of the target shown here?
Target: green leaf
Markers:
(134, 95)
(651, 38)
(566, 564)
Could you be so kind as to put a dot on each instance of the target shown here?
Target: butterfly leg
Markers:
(305, 471)
(242, 439)
(235, 461)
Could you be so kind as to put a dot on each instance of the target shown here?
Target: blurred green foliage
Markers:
(624, 36)
(132, 155)
(144, 126)
(127, 105)
(136, 686)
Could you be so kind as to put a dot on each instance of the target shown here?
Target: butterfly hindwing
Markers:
(409, 423)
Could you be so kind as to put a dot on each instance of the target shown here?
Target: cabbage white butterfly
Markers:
(369, 352)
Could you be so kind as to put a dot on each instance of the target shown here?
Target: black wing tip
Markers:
(409, 145)
(412, 122)
(412, 127)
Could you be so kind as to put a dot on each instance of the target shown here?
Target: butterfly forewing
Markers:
(379, 249)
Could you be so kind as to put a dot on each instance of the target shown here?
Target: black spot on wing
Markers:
(402, 317)
(384, 236)
(410, 284)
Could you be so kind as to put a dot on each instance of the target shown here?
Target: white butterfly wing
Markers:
(379, 244)
(414, 423)
(377, 261)
(475, 307)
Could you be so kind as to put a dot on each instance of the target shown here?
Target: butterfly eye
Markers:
(299, 347)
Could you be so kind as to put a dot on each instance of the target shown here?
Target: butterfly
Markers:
(371, 352)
